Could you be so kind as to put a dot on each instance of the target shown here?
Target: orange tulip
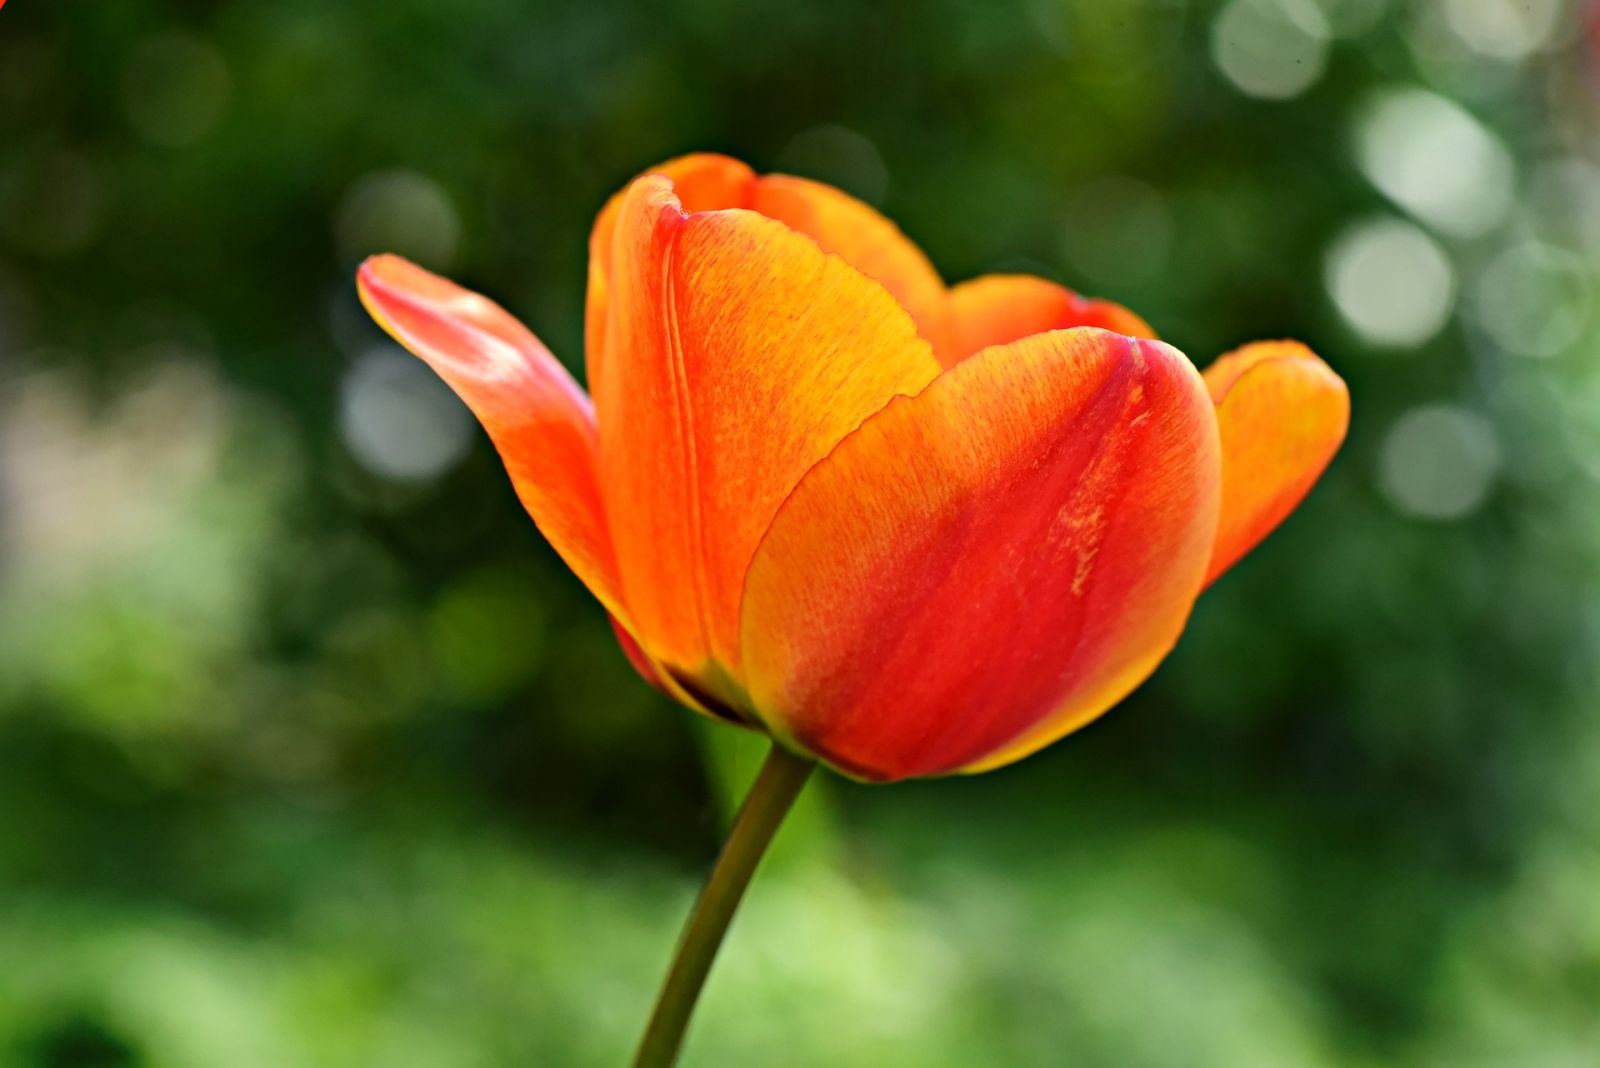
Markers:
(906, 529)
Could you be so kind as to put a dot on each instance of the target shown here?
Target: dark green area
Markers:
(308, 760)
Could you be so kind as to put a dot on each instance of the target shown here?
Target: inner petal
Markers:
(740, 355)
(836, 221)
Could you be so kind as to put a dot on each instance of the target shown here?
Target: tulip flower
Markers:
(906, 529)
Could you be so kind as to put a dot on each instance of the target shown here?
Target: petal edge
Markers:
(743, 353)
(1283, 414)
(540, 420)
(997, 309)
(986, 566)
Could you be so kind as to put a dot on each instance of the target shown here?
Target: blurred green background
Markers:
(312, 753)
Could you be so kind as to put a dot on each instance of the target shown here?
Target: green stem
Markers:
(775, 789)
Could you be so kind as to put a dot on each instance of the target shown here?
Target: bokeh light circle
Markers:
(1504, 29)
(399, 420)
(1391, 282)
(403, 212)
(1534, 299)
(1271, 49)
(1439, 461)
(1435, 160)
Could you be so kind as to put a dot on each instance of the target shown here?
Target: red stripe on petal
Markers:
(988, 565)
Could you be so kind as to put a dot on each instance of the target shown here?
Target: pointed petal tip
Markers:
(389, 271)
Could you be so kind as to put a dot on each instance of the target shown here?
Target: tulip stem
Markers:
(776, 787)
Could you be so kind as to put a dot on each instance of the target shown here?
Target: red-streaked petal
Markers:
(998, 309)
(990, 564)
(537, 416)
(1283, 414)
(866, 240)
(739, 355)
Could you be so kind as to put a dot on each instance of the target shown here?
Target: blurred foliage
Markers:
(312, 753)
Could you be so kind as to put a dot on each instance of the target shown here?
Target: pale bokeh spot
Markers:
(403, 212)
(1391, 282)
(1439, 461)
(1272, 49)
(399, 420)
(1435, 160)
(1534, 299)
(1504, 29)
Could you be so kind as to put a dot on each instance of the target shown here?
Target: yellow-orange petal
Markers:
(539, 419)
(866, 240)
(739, 355)
(838, 222)
(997, 309)
(1283, 414)
(988, 565)
(703, 181)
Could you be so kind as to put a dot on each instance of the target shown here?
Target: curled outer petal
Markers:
(537, 416)
(988, 565)
(997, 309)
(1283, 414)
(738, 355)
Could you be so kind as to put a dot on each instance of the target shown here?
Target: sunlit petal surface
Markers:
(984, 567)
(836, 221)
(738, 355)
(866, 240)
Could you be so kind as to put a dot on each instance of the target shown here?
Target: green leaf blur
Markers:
(312, 753)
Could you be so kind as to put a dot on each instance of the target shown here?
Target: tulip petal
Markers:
(704, 181)
(866, 240)
(988, 565)
(833, 219)
(539, 419)
(997, 309)
(739, 355)
(1283, 414)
